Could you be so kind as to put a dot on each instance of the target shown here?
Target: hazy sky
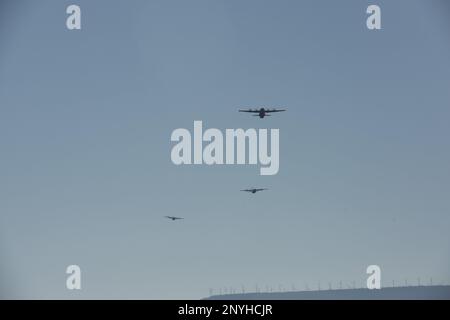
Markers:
(85, 124)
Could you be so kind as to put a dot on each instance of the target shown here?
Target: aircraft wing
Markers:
(275, 110)
(249, 110)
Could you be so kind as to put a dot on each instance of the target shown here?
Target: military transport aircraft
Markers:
(262, 112)
(254, 190)
(173, 218)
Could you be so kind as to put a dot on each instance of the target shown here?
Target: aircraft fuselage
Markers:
(262, 113)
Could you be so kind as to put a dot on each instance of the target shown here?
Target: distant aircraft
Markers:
(254, 190)
(173, 218)
(262, 112)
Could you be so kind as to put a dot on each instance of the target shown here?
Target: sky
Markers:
(86, 118)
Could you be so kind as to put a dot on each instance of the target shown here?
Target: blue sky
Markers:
(85, 124)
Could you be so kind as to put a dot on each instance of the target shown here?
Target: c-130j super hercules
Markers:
(262, 112)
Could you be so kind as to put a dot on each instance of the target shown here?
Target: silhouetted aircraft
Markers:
(254, 190)
(173, 218)
(262, 112)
